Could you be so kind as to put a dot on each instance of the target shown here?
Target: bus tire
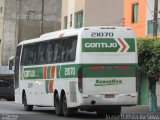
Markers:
(26, 106)
(66, 111)
(58, 106)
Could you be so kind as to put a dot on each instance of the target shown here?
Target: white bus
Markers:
(90, 69)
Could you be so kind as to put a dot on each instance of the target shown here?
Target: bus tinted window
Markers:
(71, 50)
(42, 47)
(52, 51)
(32, 54)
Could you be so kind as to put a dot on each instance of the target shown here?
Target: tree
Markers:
(149, 64)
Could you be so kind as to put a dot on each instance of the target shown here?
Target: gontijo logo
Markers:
(105, 45)
(101, 45)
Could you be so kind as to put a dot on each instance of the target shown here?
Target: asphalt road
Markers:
(13, 111)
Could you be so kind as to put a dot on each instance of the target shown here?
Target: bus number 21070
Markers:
(102, 34)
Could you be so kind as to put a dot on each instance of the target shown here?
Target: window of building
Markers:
(150, 26)
(70, 20)
(1, 10)
(65, 22)
(135, 13)
(79, 19)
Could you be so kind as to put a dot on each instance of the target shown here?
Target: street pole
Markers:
(155, 18)
(42, 18)
(152, 80)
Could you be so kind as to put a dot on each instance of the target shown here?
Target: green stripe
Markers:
(131, 43)
(71, 71)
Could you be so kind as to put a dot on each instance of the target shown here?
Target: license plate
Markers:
(109, 95)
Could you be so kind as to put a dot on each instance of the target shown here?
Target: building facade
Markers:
(139, 14)
(79, 13)
(25, 19)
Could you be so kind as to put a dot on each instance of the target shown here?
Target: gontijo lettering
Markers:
(30, 73)
(101, 45)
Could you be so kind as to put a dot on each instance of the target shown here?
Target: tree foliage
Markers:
(149, 56)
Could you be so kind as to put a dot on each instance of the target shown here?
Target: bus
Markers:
(90, 69)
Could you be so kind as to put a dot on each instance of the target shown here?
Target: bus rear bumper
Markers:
(118, 99)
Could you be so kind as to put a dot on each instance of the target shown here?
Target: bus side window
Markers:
(42, 47)
(50, 52)
(72, 49)
(32, 54)
(29, 55)
(55, 56)
(60, 47)
(64, 50)
(25, 54)
(35, 57)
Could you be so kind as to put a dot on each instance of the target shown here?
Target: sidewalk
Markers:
(139, 109)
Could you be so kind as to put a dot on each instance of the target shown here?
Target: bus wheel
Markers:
(26, 107)
(66, 110)
(58, 106)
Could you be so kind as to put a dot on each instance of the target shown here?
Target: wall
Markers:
(64, 12)
(79, 5)
(1, 27)
(22, 20)
(30, 17)
(104, 12)
(9, 34)
(140, 27)
(1, 37)
(71, 10)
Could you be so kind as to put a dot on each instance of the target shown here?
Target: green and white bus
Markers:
(90, 69)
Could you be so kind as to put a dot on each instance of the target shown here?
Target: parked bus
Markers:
(91, 69)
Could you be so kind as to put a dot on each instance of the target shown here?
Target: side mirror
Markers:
(11, 63)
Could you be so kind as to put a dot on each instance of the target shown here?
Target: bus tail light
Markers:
(122, 67)
(97, 67)
(80, 75)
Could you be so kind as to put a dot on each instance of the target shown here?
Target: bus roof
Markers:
(51, 35)
(68, 32)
